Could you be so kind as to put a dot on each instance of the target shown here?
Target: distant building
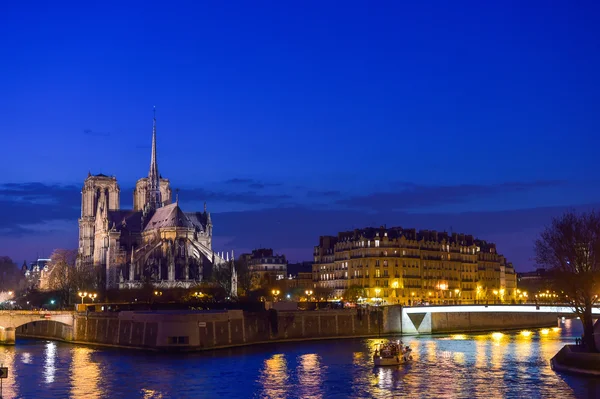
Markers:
(397, 265)
(299, 276)
(534, 282)
(265, 267)
(36, 273)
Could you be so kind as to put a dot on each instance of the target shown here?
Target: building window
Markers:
(377, 274)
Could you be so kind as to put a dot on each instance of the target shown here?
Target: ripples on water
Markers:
(509, 364)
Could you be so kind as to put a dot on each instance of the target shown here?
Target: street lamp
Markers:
(377, 291)
(308, 294)
(91, 295)
(275, 293)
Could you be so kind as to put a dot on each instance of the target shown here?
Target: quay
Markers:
(188, 330)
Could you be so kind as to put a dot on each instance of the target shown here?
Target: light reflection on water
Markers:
(514, 364)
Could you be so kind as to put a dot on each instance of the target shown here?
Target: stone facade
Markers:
(267, 269)
(404, 266)
(155, 241)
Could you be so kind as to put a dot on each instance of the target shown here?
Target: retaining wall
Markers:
(188, 330)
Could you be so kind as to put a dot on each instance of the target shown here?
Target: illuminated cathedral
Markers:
(154, 242)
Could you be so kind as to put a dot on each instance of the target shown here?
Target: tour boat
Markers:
(392, 353)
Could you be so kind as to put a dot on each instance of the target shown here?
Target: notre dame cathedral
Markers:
(155, 241)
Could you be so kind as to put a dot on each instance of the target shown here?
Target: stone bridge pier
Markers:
(10, 320)
(7, 336)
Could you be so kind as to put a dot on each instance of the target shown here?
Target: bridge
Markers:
(11, 319)
(464, 318)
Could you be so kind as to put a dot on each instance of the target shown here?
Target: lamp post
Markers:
(377, 291)
(91, 295)
(275, 293)
(308, 295)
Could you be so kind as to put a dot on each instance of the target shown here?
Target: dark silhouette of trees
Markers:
(11, 277)
(570, 249)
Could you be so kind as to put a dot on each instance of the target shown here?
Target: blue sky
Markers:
(299, 119)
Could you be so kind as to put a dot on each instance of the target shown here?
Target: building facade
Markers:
(266, 268)
(405, 266)
(156, 241)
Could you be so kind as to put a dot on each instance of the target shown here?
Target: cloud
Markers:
(47, 213)
(298, 228)
(23, 206)
(251, 183)
(412, 196)
(33, 203)
(326, 193)
(91, 132)
(246, 197)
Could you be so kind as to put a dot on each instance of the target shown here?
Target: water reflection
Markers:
(85, 374)
(274, 377)
(50, 360)
(7, 359)
(310, 376)
(467, 366)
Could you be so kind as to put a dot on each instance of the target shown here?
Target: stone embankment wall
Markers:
(208, 330)
(573, 359)
(481, 321)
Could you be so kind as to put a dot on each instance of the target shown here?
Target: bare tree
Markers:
(570, 248)
(61, 273)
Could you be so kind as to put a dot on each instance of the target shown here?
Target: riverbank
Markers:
(573, 359)
(188, 331)
(177, 331)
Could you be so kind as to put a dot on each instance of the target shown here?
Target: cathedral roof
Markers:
(172, 216)
(125, 219)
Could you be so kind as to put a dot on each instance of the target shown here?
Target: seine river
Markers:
(512, 365)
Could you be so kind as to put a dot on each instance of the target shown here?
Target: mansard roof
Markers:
(172, 216)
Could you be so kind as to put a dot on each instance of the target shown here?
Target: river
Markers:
(510, 364)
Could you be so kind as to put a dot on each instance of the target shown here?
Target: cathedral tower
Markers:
(95, 187)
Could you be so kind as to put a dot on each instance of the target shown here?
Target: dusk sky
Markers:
(299, 119)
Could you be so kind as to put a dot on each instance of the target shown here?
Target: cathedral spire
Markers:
(154, 200)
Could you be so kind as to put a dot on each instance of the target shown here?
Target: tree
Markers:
(221, 275)
(11, 278)
(67, 279)
(60, 278)
(570, 249)
(353, 293)
(244, 276)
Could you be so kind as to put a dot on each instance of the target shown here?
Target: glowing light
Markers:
(459, 336)
(497, 335)
(556, 329)
(545, 331)
(526, 333)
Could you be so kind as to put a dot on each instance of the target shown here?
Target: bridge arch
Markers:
(11, 320)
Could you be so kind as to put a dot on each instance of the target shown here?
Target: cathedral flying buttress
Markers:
(155, 242)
